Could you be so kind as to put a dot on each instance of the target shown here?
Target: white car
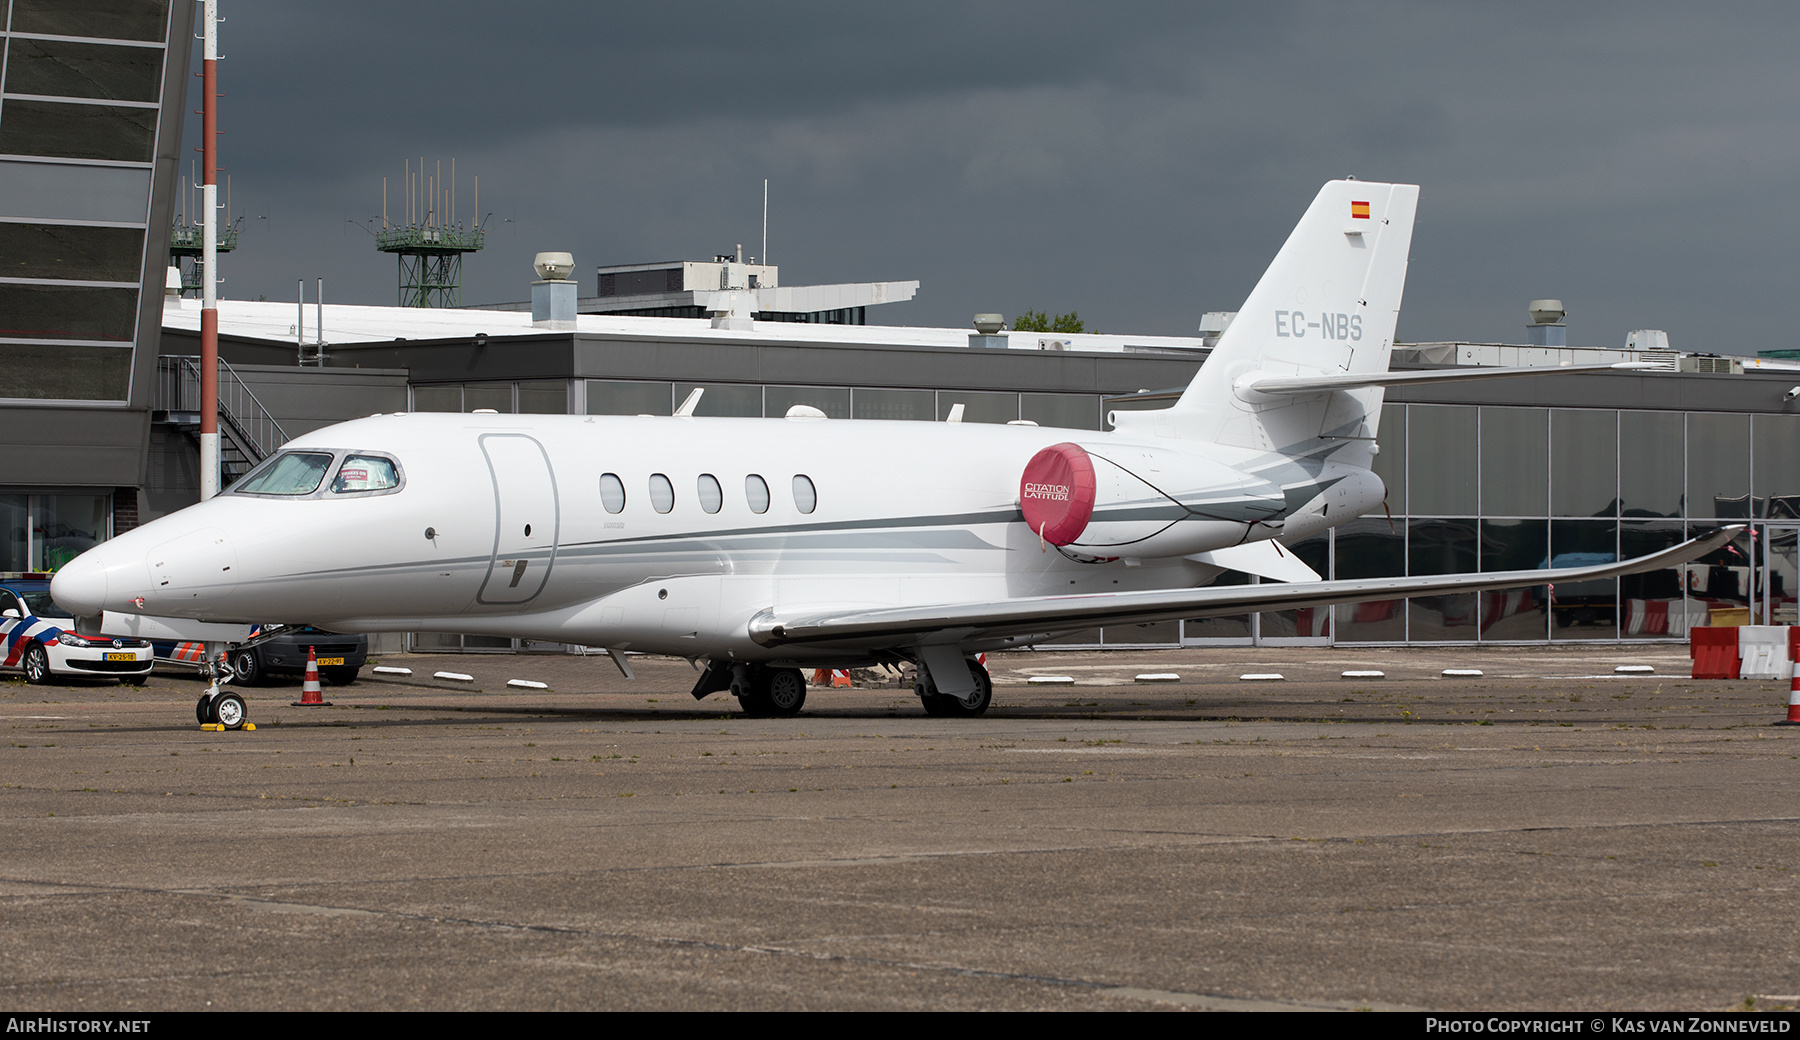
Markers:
(39, 638)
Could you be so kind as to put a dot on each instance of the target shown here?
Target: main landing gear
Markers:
(765, 693)
(946, 705)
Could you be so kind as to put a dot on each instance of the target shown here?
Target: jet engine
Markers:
(1141, 501)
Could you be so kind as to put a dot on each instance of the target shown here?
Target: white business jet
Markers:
(761, 546)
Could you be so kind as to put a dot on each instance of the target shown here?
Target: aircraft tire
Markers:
(944, 705)
(229, 711)
(785, 691)
(975, 703)
(203, 710)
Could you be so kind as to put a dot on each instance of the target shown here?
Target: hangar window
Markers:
(612, 492)
(806, 498)
(757, 491)
(290, 473)
(662, 493)
(712, 496)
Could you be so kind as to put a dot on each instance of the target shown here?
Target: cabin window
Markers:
(292, 473)
(805, 497)
(712, 496)
(365, 473)
(756, 489)
(612, 492)
(662, 493)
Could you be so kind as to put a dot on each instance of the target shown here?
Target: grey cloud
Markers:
(1139, 163)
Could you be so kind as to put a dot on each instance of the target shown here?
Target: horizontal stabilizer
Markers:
(1037, 616)
(1321, 384)
(1263, 559)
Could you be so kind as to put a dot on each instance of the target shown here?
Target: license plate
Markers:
(325, 661)
(121, 657)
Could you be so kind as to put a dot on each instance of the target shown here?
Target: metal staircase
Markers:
(248, 432)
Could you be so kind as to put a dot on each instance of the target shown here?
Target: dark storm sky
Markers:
(1138, 162)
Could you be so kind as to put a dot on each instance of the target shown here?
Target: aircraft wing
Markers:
(1028, 618)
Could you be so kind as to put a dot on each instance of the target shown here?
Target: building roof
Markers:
(357, 323)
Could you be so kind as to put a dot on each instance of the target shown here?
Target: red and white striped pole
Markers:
(209, 259)
(1793, 716)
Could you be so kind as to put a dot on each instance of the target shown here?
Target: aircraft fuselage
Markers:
(668, 534)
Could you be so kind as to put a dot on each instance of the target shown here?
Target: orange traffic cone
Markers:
(310, 694)
(840, 678)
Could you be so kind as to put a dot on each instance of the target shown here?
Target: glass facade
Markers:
(1494, 488)
(521, 397)
(43, 532)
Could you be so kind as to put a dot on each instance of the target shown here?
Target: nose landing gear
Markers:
(218, 708)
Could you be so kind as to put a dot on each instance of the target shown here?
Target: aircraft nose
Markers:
(80, 586)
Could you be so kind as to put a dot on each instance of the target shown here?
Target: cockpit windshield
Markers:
(365, 473)
(291, 473)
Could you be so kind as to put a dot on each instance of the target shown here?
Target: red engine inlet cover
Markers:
(1056, 493)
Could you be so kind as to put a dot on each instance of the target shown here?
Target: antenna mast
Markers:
(431, 243)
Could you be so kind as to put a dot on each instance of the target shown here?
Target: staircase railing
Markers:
(178, 390)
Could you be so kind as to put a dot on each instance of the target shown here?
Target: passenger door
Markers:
(526, 518)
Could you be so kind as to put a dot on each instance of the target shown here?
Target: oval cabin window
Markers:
(712, 496)
(805, 497)
(756, 490)
(612, 492)
(662, 493)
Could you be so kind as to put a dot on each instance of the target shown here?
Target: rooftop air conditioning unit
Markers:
(1713, 364)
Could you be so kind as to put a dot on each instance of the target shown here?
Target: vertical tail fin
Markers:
(1327, 305)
